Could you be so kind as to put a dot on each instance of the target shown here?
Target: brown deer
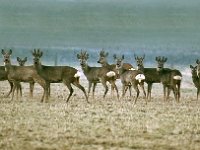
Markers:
(97, 74)
(18, 74)
(151, 74)
(130, 77)
(91, 73)
(195, 79)
(58, 74)
(3, 77)
(22, 63)
(112, 67)
(170, 78)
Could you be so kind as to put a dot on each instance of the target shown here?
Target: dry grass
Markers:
(103, 124)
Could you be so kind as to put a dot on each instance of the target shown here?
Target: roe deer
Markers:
(195, 79)
(130, 77)
(3, 77)
(97, 74)
(151, 74)
(22, 63)
(91, 73)
(18, 74)
(103, 61)
(170, 78)
(57, 74)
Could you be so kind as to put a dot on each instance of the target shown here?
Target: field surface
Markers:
(61, 28)
(103, 124)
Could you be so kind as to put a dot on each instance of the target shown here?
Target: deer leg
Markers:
(93, 90)
(164, 92)
(70, 90)
(115, 87)
(31, 89)
(13, 91)
(49, 90)
(89, 87)
(142, 86)
(149, 88)
(44, 84)
(135, 86)
(129, 86)
(11, 88)
(112, 90)
(105, 86)
(82, 89)
(198, 92)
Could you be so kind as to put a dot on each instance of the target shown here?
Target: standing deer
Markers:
(18, 74)
(195, 79)
(151, 74)
(91, 73)
(57, 74)
(22, 63)
(103, 61)
(3, 77)
(170, 78)
(130, 77)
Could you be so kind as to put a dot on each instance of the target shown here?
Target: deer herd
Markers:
(107, 73)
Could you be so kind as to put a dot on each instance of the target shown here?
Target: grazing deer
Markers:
(103, 61)
(3, 77)
(195, 79)
(151, 74)
(170, 78)
(91, 73)
(18, 74)
(57, 74)
(130, 77)
(22, 63)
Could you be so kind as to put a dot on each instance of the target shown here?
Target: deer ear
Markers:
(191, 67)
(143, 57)
(87, 56)
(18, 59)
(78, 56)
(2, 51)
(115, 56)
(122, 57)
(10, 51)
(197, 61)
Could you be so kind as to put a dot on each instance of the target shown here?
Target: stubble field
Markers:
(103, 124)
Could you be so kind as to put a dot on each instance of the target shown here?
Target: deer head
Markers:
(21, 61)
(102, 57)
(83, 57)
(139, 61)
(119, 61)
(6, 55)
(37, 54)
(161, 61)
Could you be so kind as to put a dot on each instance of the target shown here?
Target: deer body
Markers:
(56, 74)
(151, 74)
(17, 74)
(130, 78)
(170, 78)
(3, 77)
(195, 79)
(22, 63)
(95, 75)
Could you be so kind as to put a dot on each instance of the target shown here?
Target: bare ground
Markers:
(104, 124)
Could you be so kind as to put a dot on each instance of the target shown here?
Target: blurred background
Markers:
(61, 28)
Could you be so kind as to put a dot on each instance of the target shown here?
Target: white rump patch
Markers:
(111, 74)
(140, 77)
(78, 74)
(177, 78)
(132, 69)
